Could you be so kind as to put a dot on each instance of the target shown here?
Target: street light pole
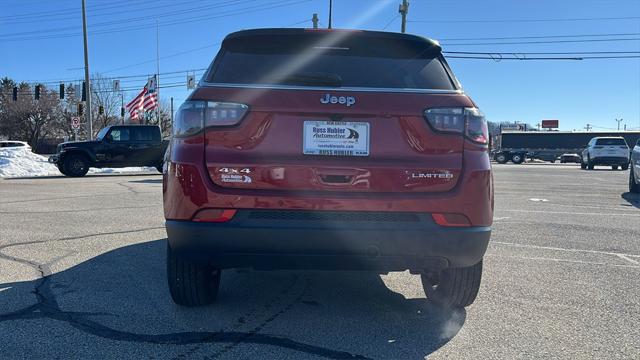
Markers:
(330, 13)
(86, 71)
(618, 121)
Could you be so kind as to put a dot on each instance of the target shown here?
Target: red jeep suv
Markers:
(328, 149)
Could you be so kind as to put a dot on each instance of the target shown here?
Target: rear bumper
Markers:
(335, 242)
(610, 160)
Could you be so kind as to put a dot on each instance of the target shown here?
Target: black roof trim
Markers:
(363, 33)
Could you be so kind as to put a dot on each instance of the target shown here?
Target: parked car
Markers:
(610, 151)
(115, 146)
(328, 149)
(570, 158)
(14, 144)
(634, 174)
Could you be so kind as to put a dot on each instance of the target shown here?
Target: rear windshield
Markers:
(350, 61)
(611, 142)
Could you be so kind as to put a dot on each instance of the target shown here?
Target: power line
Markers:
(163, 57)
(72, 10)
(545, 42)
(391, 21)
(170, 85)
(538, 37)
(298, 23)
(147, 17)
(141, 76)
(527, 20)
(499, 58)
(98, 13)
(542, 53)
(232, 12)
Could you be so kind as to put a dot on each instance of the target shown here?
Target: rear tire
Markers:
(453, 287)
(190, 283)
(159, 168)
(633, 187)
(75, 165)
(501, 158)
(583, 166)
(589, 164)
(517, 158)
(614, 167)
(625, 167)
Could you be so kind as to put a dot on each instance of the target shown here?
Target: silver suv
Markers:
(634, 174)
(609, 151)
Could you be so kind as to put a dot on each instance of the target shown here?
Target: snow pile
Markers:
(21, 162)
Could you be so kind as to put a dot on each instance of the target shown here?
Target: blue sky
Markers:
(39, 41)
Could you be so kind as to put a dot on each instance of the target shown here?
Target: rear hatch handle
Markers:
(335, 176)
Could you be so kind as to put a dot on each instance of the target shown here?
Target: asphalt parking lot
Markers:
(82, 275)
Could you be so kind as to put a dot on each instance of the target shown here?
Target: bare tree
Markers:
(165, 119)
(104, 95)
(32, 120)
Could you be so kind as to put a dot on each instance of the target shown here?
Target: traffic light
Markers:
(37, 93)
(84, 92)
(80, 109)
(15, 93)
(61, 91)
(122, 112)
(100, 110)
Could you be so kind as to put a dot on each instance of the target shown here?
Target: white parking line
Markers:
(620, 255)
(569, 213)
(625, 257)
(565, 260)
(501, 218)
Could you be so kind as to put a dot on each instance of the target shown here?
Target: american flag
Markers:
(145, 101)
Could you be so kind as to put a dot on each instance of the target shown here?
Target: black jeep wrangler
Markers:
(115, 146)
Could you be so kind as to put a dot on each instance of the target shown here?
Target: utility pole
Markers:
(122, 106)
(172, 111)
(403, 10)
(314, 19)
(158, 70)
(86, 71)
(330, 13)
(619, 121)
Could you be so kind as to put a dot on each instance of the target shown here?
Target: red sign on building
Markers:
(550, 124)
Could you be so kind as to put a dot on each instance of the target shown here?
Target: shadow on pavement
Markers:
(631, 198)
(86, 176)
(120, 299)
(147, 181)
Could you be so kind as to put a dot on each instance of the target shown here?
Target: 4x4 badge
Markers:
(345, 100)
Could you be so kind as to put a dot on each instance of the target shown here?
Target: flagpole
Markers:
(158, 70)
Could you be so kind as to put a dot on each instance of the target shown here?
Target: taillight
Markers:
(467, 121)
(446, 119)
(189, 119)
(224, 113)
(194, 116)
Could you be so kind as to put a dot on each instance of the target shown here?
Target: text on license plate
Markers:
(336, 138)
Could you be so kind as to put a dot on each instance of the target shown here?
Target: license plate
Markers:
(336, 138)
